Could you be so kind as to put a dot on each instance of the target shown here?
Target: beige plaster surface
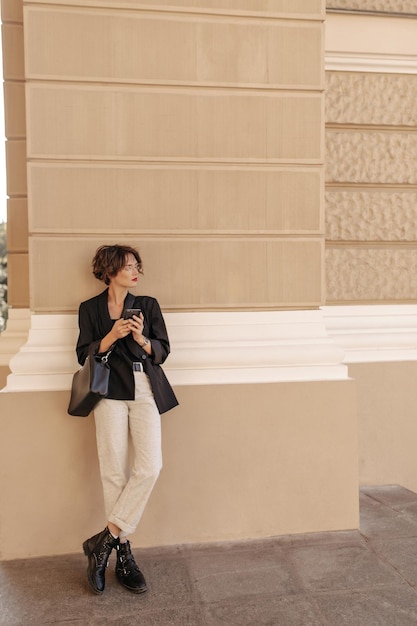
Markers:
(387, 418)
(240, 461)
(4, 372)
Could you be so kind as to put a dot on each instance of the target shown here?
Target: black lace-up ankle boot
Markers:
(98, 549)
(127, 572)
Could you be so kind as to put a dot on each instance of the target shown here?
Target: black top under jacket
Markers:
(95, 322)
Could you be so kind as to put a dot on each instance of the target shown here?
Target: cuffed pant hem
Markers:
(125, 528)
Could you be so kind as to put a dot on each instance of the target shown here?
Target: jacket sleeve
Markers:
(156, 331)
(87, 343)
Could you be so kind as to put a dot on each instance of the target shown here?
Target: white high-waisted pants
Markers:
(127, 490)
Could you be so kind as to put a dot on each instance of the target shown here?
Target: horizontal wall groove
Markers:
(371, 12)
(176, 86)
(177, 161)
(385, 128)
(127, 7)
(6, 22)
(383, 244)
(206, 235)
(209, 308)
(348, 186)
(171, 164)
(17, 251)
(179, 13)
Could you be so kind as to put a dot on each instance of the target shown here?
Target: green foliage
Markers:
(3, 275)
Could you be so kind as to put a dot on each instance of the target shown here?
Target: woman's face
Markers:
(128, 275)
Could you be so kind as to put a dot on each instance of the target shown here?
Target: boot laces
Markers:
(128, 562)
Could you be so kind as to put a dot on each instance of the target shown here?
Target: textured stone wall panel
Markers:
(371, 215)
(371, 176)
(390, 6)
(364, 98)
(371, 157)
(371, 274)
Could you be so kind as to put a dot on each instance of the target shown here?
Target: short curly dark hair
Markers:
(109, 260)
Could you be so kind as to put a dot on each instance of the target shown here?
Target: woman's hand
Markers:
(136, 327)
(137, 333)
(121, 328)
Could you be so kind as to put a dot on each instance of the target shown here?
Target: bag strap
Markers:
(130, 300)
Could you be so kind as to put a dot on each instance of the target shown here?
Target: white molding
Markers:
(206, 348)
(15, 335)
(374, 333)
(251, 347)
(370, 43)
(375, 63)
(237, 348)
(43, 363)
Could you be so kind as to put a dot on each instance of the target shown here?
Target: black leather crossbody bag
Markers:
(90, 383)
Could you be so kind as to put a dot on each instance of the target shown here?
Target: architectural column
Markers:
(17, 214)
(194, 130)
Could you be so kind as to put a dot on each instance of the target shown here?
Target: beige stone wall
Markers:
(387, 419)
(183, 132)
(194, 129)
(282, 460)
(371, 187)
(15, 130)
(371, 236)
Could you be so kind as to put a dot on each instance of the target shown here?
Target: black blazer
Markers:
(95, 322)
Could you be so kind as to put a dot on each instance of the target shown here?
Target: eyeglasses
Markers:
(130, 268)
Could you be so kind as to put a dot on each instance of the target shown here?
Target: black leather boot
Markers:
(98, 549)
(127, 572)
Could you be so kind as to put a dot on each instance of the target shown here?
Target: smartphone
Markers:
(129, 313)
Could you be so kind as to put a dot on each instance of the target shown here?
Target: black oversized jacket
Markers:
(95, 322)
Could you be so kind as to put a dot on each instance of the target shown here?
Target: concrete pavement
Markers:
(337, 578)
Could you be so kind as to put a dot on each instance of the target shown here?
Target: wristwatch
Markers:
(145, 342)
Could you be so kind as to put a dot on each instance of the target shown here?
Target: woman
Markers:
(138, 393)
